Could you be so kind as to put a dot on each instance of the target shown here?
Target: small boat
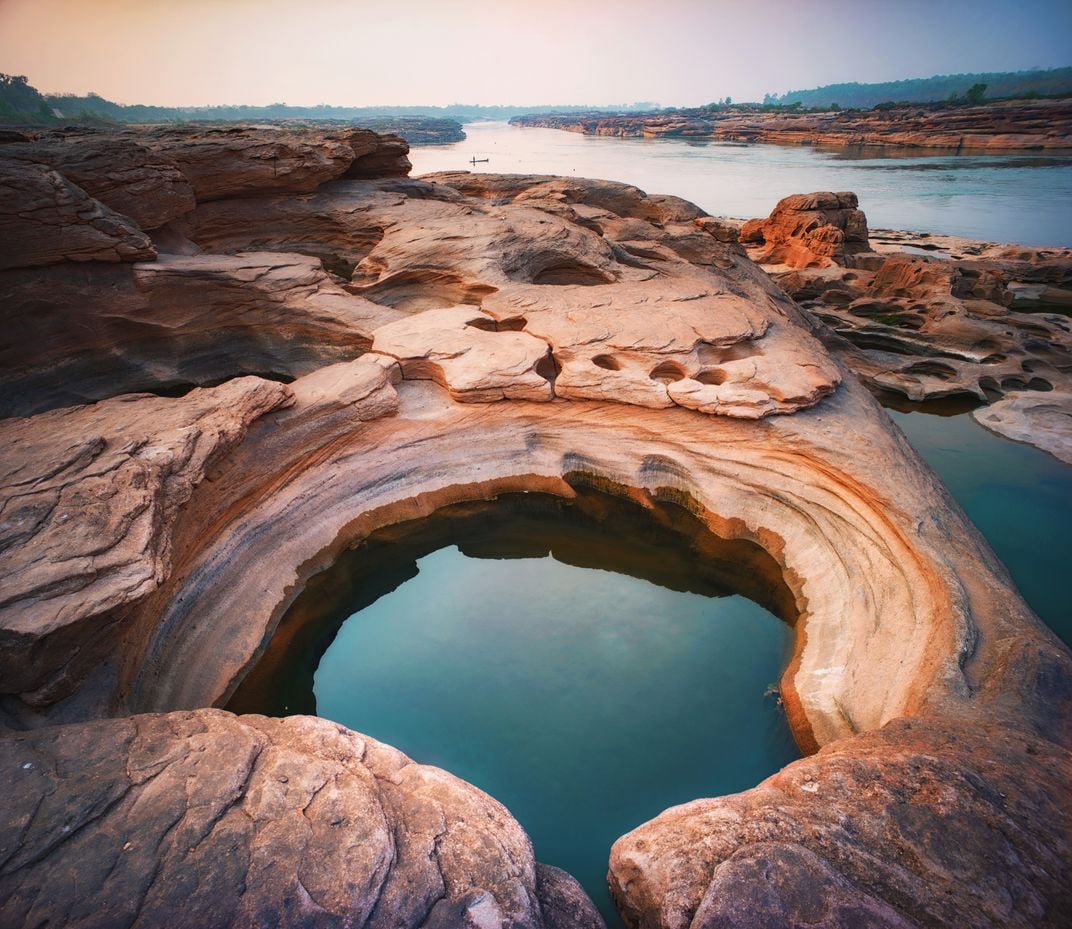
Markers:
(475, 161)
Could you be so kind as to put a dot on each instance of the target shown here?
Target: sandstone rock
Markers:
(720, 229)
(950, 318)
(475, 366)
(213, 820)
(123, 175)
(192, 524)
(1040, 419)
(563, 903)
(83, 333)
(376, 155)
(809, 230)
(893, 828)
(88, 497)
(240, 161)
(46, 219)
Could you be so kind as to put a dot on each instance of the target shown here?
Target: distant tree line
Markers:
(1054, 82)
(72, 106)
(20, 102)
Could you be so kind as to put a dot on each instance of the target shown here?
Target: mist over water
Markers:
(998, 198)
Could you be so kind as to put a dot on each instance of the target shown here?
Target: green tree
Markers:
(976, 92)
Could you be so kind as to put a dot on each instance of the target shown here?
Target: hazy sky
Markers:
(351, 52)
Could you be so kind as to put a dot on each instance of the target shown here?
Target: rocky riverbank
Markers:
(231, 354)
(1041, 125)
(931, 317)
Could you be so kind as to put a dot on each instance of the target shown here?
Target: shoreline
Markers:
(1014, 126)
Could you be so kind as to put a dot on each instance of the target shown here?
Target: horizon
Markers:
(202, 54)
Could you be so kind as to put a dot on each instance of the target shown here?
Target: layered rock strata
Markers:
(1019, 125)
(809, 230)
(933, 317)
(519, 334)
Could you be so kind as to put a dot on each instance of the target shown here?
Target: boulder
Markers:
(809, 230)
(45, 219)
(563, 902)
(123, 175)
(919, 825)
(210, 820)
(376, 154)
(244, 160)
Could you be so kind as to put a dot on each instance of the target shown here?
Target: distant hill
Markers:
(95, 106)
(1053, 82)
(21, 103)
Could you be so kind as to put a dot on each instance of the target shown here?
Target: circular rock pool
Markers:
(588, 663)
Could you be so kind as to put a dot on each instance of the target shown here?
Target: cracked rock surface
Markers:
(45, 218)
(210, 820)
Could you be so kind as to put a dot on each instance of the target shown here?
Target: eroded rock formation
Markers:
(45, 219)
(934, 317)
(468, 336)
(894, 828)
(1007, 126)
(809, 231)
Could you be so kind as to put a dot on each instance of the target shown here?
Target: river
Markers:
(1020, 198)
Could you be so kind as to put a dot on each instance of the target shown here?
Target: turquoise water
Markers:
(532, 661)
(1019, 497)
(999, 198)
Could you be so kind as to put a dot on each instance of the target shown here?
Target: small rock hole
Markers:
(668, 372)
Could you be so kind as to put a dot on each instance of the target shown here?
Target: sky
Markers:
(520, 52)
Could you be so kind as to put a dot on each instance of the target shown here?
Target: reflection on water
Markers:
(998, 198)
(588, 666)
(1019, 497)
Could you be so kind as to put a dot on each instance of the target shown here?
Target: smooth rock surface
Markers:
(478, 366)
(919, 825)
(1040, 419)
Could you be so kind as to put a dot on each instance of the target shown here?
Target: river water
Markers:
(998, 198)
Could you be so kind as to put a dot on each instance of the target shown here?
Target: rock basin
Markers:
(490, 335)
